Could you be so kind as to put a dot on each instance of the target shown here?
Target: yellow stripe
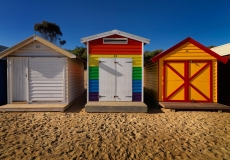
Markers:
(93, 59)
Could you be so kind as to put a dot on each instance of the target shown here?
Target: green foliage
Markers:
(49, 31)
(211, 46)
(81, 52)
(150, 54)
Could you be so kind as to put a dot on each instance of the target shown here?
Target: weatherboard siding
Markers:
(188, 51)
(36, 49)
(151, 79)
(215, 81)
(75, 79)
(133, 49)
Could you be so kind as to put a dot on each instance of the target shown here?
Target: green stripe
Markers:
(137, 73)
(137, 69)
(93, 73)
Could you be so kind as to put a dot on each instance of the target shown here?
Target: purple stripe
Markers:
(137, 97)
(93, 96)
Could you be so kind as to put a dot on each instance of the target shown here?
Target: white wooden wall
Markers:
(75, 79)
(36, 49)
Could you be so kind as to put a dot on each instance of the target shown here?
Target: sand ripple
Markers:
(179, 135)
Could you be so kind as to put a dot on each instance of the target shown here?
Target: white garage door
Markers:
(47, 79)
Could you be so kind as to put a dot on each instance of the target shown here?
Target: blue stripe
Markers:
(137, 86)
(93, 90)
(93, 81)
(93, 86)
(136, 90)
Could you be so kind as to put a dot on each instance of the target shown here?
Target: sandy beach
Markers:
(75, 134)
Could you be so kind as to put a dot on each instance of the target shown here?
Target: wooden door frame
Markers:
(187, 80)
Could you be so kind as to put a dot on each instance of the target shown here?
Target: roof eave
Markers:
(41, 40)
(202, 47)
(105, 34)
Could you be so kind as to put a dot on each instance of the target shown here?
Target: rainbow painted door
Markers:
(115, 79)
(187, 81)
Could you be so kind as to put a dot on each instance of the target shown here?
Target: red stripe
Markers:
(186, 74)
(167, 98)
(200, 70)
(202, 94)
(175, 71)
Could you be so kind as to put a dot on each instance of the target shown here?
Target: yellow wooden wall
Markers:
(188, 51)
(94, 59)
(214, 66)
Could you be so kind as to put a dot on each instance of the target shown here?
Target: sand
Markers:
(75, 134)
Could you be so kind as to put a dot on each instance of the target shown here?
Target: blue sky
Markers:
(164, 22)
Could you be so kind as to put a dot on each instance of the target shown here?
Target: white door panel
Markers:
(20, 80)
(106, 79)
(115, 79)
(123, 79)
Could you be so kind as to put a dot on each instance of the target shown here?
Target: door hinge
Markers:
(101, 61)
(101, 96)
(129, 62)
(115, 62)
(128, 96)
(115, 96)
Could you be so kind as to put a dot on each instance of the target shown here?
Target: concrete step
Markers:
(128, 107)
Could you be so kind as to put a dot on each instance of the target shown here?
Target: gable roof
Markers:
(222, 50)
(2, 48)
(197, 44)
(39, 39)
(105, 34)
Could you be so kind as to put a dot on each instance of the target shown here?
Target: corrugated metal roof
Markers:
(222, 50)
(105, 34)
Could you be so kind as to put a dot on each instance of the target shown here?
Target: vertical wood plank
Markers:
(123, 79)
(106, 79)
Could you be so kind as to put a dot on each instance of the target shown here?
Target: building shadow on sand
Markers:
(79, 105)
(153, 106)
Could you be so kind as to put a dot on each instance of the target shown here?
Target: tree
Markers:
(150, 54)
(81, 52)
(211, 46)
(50, 31)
